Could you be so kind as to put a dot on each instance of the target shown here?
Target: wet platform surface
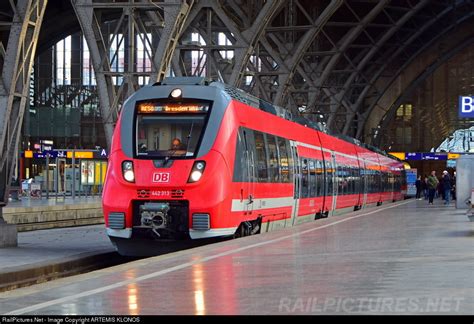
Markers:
(402, 258)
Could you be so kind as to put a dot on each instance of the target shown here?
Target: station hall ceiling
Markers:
(345, 64)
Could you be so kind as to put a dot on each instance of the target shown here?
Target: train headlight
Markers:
(127, 171)
(197, 171)
(176, 93)
(195, 176)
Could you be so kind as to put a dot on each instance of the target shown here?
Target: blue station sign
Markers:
(413, 156)
(434, 156)
(417, 156)
(466, 106)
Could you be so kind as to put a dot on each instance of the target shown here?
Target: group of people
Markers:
(431, 186)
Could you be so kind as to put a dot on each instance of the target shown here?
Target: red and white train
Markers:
(193, 159)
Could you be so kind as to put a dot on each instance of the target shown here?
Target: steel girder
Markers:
(174, 23)
(17, 62)
(366, 59)
(354, 74)
(302, 46)
(158, 25)
(446, 29)
(211, 18)
(443, 58)
(363, 72)
(252, 35)
(387, 61)
(427, 72)
(340, 49)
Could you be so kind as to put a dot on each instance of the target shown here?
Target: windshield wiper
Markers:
(189, 138)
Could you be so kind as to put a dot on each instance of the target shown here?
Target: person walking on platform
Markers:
(432, 185)
(446, 187)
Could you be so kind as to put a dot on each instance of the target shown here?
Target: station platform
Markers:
(402, 258)
(48, 254)
(34, 214)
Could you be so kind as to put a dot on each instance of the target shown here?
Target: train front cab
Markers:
(156, 192)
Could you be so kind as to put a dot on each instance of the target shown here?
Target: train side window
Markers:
(329, 169)
(350, 180)
(340, 178)
(373, 182)
(284, 160)
(240, 164)
(362, 177)
(261, 158)
(378, 181)
(391, 181)
(291, 161)
(357, 181)
(398, 183)
(382, 180)
(249, 142)
(373, 188)
(273, 159)
(347, 179)
(304, 178)
(312, 176)
(368, 176)
(319, 178)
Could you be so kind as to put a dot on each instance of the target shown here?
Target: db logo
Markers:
(161, 177)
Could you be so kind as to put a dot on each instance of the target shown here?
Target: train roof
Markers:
(244, 97)
(251, 100)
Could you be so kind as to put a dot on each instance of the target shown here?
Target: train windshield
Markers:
(169, 131)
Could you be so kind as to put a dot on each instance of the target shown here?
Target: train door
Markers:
(244, 172)
(333, 189)
(249, 157)
(379, 186)
(330, 185)
(296, 181)
(364, 182)
(324, 179)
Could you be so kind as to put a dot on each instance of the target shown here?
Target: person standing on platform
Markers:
(446, 187)
(418, 187)
(424, 185)
(453, 185)
(432, 185)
